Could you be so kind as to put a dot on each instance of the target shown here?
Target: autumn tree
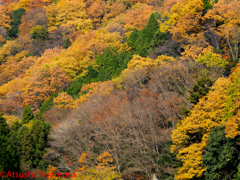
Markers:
(184, 17)
(3, 33)
(190, 137)
(69, 12)
(39, 33)
(137, 18)
(33, 18)
(64, 101)
(103, 170)
(96, 12)
(137, 117)
(143, 42)
(11, 48)
(47, 81)
(37, 3)
(5, 19)
(225, 18)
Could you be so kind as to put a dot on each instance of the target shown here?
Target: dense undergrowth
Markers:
(120, 89)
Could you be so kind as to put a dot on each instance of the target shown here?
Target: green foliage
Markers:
(200, 89)
(48, 103)
(238, 175)
(27, 114)
(9, 159)
(149, 38)
(133, 37)
(38, 140)
(91, 76)
(4, 128)
(222, 156)
(27, 55)
(14, 133)
(75, 87)
(158, 39)
(111, 64)
(47, 129)
(123, 58)
(150, 29)
(31, 142)
(17, 16)
(212, 60)
(185, 111)
(107, 64)
(56, 1)
(38, 116)
(40, 33)
(207, 5)
(9, 38)
(67, 43)
(26, 149)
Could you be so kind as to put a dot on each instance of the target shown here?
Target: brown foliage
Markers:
(15, 69)
(46, 81)
(129, 124)
(96, 12)
(11, 104)
(33, 18)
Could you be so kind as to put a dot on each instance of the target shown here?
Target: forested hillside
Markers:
(120, 89)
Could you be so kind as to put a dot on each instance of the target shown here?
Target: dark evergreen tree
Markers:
(107, 63)
(200, 89)
(13, 134)
(38, 116)
(91, 76)
(4, 128)
(111, 63)
(158, 39)
(38, 140)
(122, 60)
(8, 152)
(133, 37)
(9, 159)
(47, 129)
(48, 103)
(75, 87)
(143, 51)
(140, 41)
(222, 156)
(17, 16)
(27, 114)
(150, 29)
(26, 148)
(67, 43)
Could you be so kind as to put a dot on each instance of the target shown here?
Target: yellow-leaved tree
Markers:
(183, 17)
(64, 101)
(190, 137)
(82, 53)
(69, 11)
(103, 171)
